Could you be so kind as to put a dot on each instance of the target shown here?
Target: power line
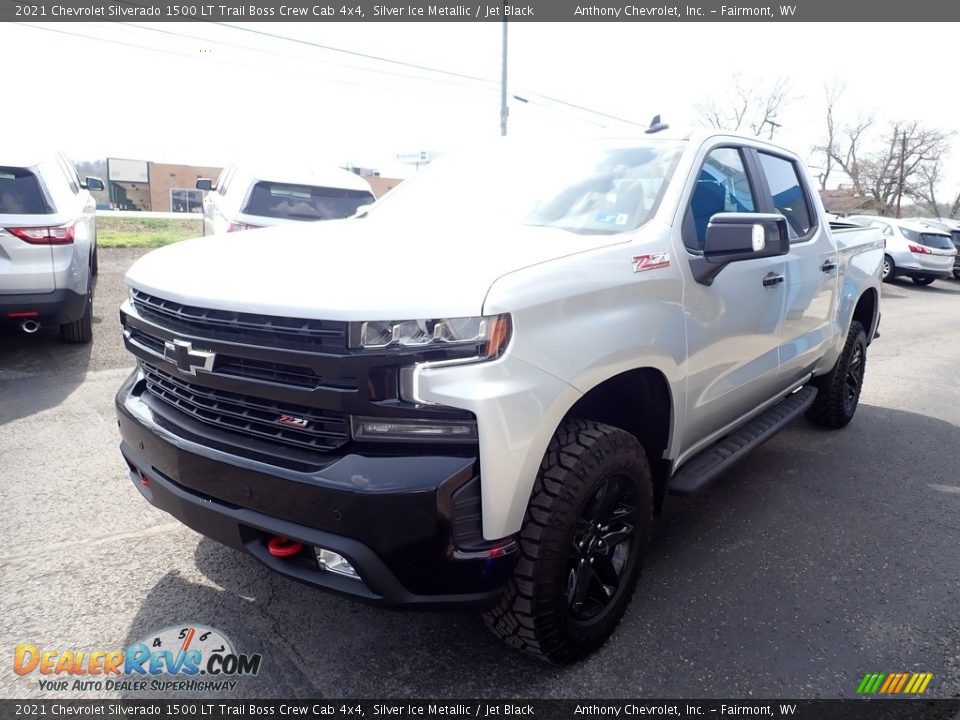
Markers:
(355, 53)
(249, 48)
(586, 109)
(475, 78)
(251, 67)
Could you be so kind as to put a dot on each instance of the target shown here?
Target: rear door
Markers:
(25, 266)
(812, 267)
(733, 324)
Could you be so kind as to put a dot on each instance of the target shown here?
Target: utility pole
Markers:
(903, 157)
(504, 111)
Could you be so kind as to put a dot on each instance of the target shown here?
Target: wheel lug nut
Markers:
(591, 560)
(581, 543)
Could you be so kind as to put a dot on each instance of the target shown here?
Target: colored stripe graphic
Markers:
(894, 683)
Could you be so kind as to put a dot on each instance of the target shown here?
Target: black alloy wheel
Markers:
(601, 547)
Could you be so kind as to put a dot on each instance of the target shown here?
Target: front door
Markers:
(732, 325)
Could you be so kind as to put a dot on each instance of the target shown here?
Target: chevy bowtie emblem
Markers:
(188, 360)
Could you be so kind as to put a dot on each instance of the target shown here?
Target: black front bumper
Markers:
(394, 518)
(52, 308)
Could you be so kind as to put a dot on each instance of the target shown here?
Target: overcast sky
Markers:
(204, 93)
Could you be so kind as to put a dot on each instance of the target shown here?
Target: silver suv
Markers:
(249, 196)
(48, 245)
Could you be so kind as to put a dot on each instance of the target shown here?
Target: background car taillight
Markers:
(919, 249)
(238, 226)
(60, 235)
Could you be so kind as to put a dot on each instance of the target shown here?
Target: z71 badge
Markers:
(650, 262)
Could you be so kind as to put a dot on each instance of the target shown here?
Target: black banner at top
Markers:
(853, 11)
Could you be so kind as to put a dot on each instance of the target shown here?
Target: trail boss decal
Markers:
(650, 262)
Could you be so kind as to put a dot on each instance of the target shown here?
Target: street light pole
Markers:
(503, 81)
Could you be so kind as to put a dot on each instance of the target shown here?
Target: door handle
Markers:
(772, 280)
(828, 266)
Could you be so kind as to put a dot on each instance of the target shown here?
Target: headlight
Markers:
(490, 334)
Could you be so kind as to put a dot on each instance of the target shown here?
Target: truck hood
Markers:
(356, 269)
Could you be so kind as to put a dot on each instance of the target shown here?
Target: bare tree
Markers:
(923, 187)
(908, 151)
(751, 106)
(846, 149)
(828, 149)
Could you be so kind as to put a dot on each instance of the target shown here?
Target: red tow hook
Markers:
(279, 546)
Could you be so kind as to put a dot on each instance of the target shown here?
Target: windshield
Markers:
(304, 202)
(597, 189)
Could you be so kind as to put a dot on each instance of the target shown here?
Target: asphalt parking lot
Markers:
(820, 558)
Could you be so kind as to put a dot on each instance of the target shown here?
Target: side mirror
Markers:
(93, 184)
(735, 237)
(205, 184)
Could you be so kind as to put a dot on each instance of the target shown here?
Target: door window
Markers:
(722, 186)
(789, 197)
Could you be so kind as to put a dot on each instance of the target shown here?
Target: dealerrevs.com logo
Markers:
(183, 658)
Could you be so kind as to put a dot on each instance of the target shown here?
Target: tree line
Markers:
(881, 166)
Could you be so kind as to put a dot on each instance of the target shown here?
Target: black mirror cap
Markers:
(93, 184)
(205, 184)
(734, 237)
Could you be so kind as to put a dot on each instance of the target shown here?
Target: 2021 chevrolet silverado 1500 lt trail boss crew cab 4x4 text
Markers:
(480, 389)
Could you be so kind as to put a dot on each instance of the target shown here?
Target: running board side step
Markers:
(719, 457)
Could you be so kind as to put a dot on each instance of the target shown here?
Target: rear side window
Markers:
(304, 202)
(20, 193)
(789, 196)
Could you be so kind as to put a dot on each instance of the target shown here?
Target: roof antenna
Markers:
(656, 126)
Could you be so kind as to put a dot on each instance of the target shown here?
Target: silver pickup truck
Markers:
(481, 389)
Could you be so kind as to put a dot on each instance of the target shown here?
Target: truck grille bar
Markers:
(291, 425)
(251, 328)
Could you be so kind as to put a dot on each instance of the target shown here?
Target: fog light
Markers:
(335, 563)
(414, 429)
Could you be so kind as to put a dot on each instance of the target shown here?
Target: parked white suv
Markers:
(247, 197)
(48, 245)
(914, 249)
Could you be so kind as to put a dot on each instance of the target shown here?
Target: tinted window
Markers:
(933, 240)
(304, 202)
(941, 242)
(20, 193)
(788, 194)
(722, 186)
(71, 173)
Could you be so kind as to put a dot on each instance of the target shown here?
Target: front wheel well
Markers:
(637, 401)
(866, 311)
